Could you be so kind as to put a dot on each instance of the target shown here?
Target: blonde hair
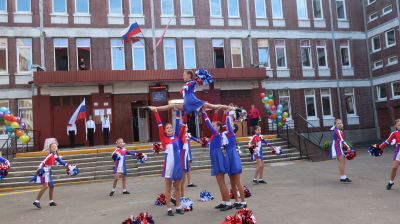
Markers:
(120, 139)
(395, 122)
(54, 144)
(336, 121)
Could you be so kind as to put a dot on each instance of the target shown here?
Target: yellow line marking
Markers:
(19, 192)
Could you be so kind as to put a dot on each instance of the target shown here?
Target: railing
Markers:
(306, 129)
(295, 139)
(13, 146)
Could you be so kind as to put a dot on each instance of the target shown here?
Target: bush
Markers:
(328, 145)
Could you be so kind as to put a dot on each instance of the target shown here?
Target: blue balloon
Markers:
(275, 121)
(279, 117)
(280, 107)
(2, 109)
(265, 99)
(9, 129)
(7, 112)
(278, 112)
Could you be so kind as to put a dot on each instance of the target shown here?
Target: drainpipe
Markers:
(153, 33)
(249, 29)
(41, 35)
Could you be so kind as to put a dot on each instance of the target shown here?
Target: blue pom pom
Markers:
(41, 172)
(204, 75)
(116, 157)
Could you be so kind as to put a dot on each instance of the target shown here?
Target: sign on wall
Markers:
(159, 96)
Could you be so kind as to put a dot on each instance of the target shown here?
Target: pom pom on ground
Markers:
(161, 199)
(243, 216)
(206, 196)
(143, 218)
(203, 77)
(247, 193)
(141, 157)
(375, 150)
(277, 151)
(350, 155)
(204, 142)
(186, 204)
(156, 148)
(72, 170)
(251, 149)
(116, 157)
(3, 171)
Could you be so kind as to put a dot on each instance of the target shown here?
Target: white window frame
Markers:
(82, 13)
(23, 108)
(325, 51)
(277, 17)
(392, 63)
(90, 57)
(229, 13)
(393, 96)
(130, 8)
(386, 38)
(223, 50)
(173, 10)
(269, 55)
(371, 1)
(2, 123)
(191, 3)
(378, 91)
(276, 55)
(289, 106)
(5, 6)
(297, 4)
(383, 10)
(109, 9)
(348, 48)
(378, 66)
(354, 102)
(30, 7)
(315, 105)
(330, 102)
(220, 9)
(241, 52)
(322, 10)
(123, 53)
(372, 43)
(344, 9)
(54, 52)
(264, 6)
(144, 53)
(309, 51)
(165, 62)
(6, 48)
(194, 50)
(66, 9)
(370, 16)
(18, 47)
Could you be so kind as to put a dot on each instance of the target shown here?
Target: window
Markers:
(138, 54)
(136, 7)
(189, 53)
(284, 100)
(115, 6)
(310, 103)
(117, 54)
(302, 9)
(23, 5)
(326, 102)
(169, 54)
(387, 9)
(371, 1)
(305, 52)
(25, 113)
(321, 53)
(260, 9)
(381, 92)
(236, 50)
(186, 8)
(345, 52)
(3, 55)
(167, 7)
(263, 52)
(24, 55)
(376, 43)
(61, 54)
(390, 38)
(341, 9)
(350, 103)
(82, 6)
(215, 7)
(373, 16)
(280, 53)
(378, 64)
(392, 60)
(83, 51)
(3, 5)
(233, 8)
(218, 47)
(277, 9)
(3, 126)
(59, 6)
(396, 90)
(317, 8)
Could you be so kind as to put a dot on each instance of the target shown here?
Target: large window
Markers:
(215, 7)
(167, 7)
(3, 5)
(310, 103)
(305, 53)
(381, 92)
(326, 102)
(3, 126)
(61, 54)
(82, 6)
(317, 9)
(396, 90)
(83, 51)
(345, 53)
(24, 54)
(280, 52)
(350, 101)
(115, 6)
(218, 48)
(376, 43)
(136, 7)
(302, 9)
(284, 100)
(387, 9)
(186, 8)
(260, 8)
(390, 38)
(3, 55)
(23, 5)
(117, 54)
(263, 52)
(59, 6)
(169, 53)
(277, 9)
(341, 9)
(189, 53)
(321, 53)
(236, 50)
(25, 112)
(233, 8)
(138, 54)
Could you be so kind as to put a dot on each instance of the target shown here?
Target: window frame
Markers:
(223, 50)
(264, 9)
(173, 10)
(325, 52)
(194, 50)
(144, 53)
(30, 7)
(297, 6)
(383, 10)
(371, 1)
(109, 9)
(241, 52)
(386, 38)
(184, 15)
(130, 8)
(54, 52)
(315, 104)
(82, 13)
(276, 55)
(392, 63)
(370, 16)
(341, 56)
(6, 48)
(268, 50)
(18, 47)
(238, 7)
(322, 11)
(66, 9)
(220, 9)
(77, 54)
(353, 101)
(123, 53)
(165, 62)
(281, 7)
(393, 96)
(309, 53)
(373, 45)
(2, 123)
(23, 108)
(378, 91)
(5, 2)
(330, 102)
(344, 9)
(378, 67)
(289, 106)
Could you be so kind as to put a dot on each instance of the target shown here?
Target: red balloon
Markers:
(262, 95)
(7, 117)
(283, 120)
(29, 138)
(270, 117)
(273, 108)
(15, 119)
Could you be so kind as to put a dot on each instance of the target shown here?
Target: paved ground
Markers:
(297, 192)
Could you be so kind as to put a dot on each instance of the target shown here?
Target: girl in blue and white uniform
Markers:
(336, 149)
(257, 139)
(189, 137)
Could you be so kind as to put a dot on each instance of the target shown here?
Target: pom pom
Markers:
(238, 150)
(156, 148)
(375, 150)
(186, 204)
(251, 149)
(41, 171)
(206, 196)
(141, 157)
(143, 218)
(160, 199)
(204, 142)
(203, 77)
(3, 171)
(277, 151)
(247, 193)
(243, 216)
(72, 170)
(236, 219)
(350, 155)
(116, 157)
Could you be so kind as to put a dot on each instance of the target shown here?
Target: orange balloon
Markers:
(18, 133)
(274, 116)
(271, 102)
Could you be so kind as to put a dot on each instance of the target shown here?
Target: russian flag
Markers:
(80, 113)
(130, 31)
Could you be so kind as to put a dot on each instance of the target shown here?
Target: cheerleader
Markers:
(120, 166)
(218, 161)
(46, 179)
(234, 163)
(336, 150)
(172, 170)
(396, 158)
(190, 101)
(189, 137)
(258, 154)
(5, 162)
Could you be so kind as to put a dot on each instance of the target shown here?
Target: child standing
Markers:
(336, 150)
(189, 137)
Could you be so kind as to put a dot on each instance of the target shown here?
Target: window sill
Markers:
(391, 64)
(352, 115)
(188, 20)
(23, 73)
(347, 71)
(234, 21)
(345, 24)
(22, 17)
(116, 19)
(304, 22)
(262, 21)
(82, 14)
(381, 100)
(280, 22)
(319, 23)
(324, 72)
(59, 18)
(370, 4)
(3, 17)
(4, 74)
(308, 72)
(282, 72)
(82, 18)
(389, 46)
(375, 51)
(377, 68)
(217, 21)
(165, 19)
(140, 19)
(395, 98)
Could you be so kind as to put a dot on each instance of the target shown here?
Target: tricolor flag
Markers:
(80, 113)
(130, 31)
(162, 36)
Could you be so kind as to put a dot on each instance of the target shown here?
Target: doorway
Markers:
(140, 124)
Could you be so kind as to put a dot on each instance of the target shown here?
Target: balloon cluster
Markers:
(203, 77)
(116, 157)
(350, 155)
(156, 148)
(243, 216)
(277, 150)
(187, 204)
(204, 142)
(160, 199)
(14, 125)
(375, 150)
(141, 157)
(275, 112)
(3, 171)
(72, 170)
(143, 218)
(206, 196)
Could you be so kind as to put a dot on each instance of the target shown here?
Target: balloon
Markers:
(7, 112)
(285, 115)
(2, 119)
(268, 112)
(262, 95)
(280, 124)
(280, 117)
(16, 137)
(270, 117)
(12, 135)
(280, 107)
(14, 125)
(265, 99)
(16, 119)
(2, 109)
(274, 116)
(271, 102)
(268, 106)
(273, 108)
(283, 120)
(9, 129)
(275, 121)
(18, 133)
(273, 112)
(22, 125)
(24, 138)
(7, 122)
(270, 97)
(7, 116)
(1, 114)
(278, 112)
(29, 138)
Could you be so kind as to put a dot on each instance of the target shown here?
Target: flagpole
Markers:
(85, 129)
(144, 37)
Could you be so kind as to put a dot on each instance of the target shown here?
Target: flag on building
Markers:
(162, 36)
(80, 113)
(130, 31)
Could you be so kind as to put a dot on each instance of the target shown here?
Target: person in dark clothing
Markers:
(192, 123)
(82, 65)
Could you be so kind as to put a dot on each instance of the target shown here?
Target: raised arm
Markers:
(61, 162)
(387, 142)
(224, 122)
(160, 127)
(228, 123)
(339, 133)
(215, 116)
(177, 121)
(212, 129)
(184, 124)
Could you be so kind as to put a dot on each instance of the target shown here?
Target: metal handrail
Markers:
(299, 138)
(13, 145)
(305, 128)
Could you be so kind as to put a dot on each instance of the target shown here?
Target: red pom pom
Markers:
(350, 155)
(161, 199)
(204, 142)
(156, 148)
(199, 81)
(273, 151)
(251, 149)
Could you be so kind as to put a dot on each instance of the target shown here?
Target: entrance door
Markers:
(384, 123)
(143, 125)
